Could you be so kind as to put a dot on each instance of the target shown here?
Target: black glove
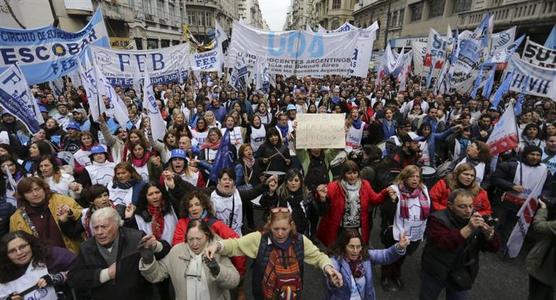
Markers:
(147, 254)
(213, 266)
(54, 279)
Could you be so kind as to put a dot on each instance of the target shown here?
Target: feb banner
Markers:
(47, 53)
(294, 53)
(539, 55)
(322, 131)
(208, 61)
(531, 79)
(17, 99)
(164, 65)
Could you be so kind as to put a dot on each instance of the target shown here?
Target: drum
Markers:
(337, 163)
(429, 176)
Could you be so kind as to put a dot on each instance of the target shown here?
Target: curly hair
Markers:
(203, 198)
(26, 185)
(8, 270)
(143, 203)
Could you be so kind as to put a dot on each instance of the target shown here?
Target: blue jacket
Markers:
(431, 142)
(376, 257)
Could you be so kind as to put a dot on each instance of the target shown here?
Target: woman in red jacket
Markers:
(463, 177)
(345, 204)
(197, 205)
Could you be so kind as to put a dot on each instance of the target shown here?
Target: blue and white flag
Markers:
(521, 98)
(223, 158)
(477, 84)
(57, 86)
(502, 89)
(542, 81)
(89, 80)
(47, 53)
(238, 78)
(17, 99)
(158, 127)
(262, 77)
(502, 55)
(487, 89)
(550, 42)
(116, 105)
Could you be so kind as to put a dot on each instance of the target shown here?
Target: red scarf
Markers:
(209, 145)
(157, 219)
(139, 162)
(404, 202)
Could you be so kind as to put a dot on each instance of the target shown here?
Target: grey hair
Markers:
(459, 193)
(107, 213)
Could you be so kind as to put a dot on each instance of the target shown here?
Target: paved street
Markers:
(497, 279)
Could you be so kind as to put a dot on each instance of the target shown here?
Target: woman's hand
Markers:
(75, 186)
(542, 204)
(64, 213)
(392, 193)
(334, 276)
(322, 191)
(129, 211)
(404, 241)
(272, 183)
(211, 250)
(169, 179)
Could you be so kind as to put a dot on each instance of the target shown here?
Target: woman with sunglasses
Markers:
(355, 261)
(31, 270)
(279, 253)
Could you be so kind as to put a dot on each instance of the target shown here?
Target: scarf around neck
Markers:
(196, 278)
(210, 145)
(356, 267)
(406, 195)
(157, 222)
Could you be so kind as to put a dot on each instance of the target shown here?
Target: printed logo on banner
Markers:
(539, 55)
(541, 82)
(165, 65)
(47, 53)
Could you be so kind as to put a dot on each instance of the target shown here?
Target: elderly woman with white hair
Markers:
(111, 256)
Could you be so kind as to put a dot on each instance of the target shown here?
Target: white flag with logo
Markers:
(116, 104)
(158, 127)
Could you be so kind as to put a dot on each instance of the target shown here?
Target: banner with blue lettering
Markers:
(467, 65)
(164, 65)
(294, 53)
(17, 99)
(542, 81)
(205, 61)
(47, 53)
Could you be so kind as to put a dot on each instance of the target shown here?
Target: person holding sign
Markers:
(407, 212)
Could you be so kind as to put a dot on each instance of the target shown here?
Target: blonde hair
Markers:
(407, 172)
(274, 217)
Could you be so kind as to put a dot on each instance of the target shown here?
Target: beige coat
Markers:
(176, 263)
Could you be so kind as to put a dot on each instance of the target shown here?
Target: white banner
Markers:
(542, 81)
(501, 55)
(294, 53)
(538, 55)
(467, 65)
(363, 51)
(206, 61)
(165, 65)
(345, 27)
(116, 106)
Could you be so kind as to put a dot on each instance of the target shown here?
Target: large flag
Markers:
(262, 78)
(220, 35)
(504, 134)
(158, 127)
(525, 217)
(116, 105)
(17, 99)
(223, 159)
(502, 55)
(539, 55)
(550, 42)
(502, 89)
(542, 81)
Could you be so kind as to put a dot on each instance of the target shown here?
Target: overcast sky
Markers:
(274, 12)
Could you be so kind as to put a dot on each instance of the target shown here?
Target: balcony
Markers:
(532, 12)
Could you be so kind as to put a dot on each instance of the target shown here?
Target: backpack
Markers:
(279, 281)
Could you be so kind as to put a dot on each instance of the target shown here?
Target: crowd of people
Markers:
(93, 209)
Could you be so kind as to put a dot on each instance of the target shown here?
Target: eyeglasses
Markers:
(280, 210)
(18, 249)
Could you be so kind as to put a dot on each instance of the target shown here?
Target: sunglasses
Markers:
(280, 210)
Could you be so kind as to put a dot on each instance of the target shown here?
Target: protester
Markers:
(451, 255)
(278, 239)
(29, 268)
(355, 262)
(107, 263)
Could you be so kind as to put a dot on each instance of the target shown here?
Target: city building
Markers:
(299, 14)
(388, 14)
(330, 14)
(201, 15)
(250, 12)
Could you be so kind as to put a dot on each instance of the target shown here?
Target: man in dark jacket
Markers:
(108, 263)
(451, 255)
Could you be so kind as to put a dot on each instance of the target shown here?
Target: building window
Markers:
(192, 18)
(416, 11)
(152, 44)
(336, 4)
(139, 43)
(210, 19)
(174, 42)
(164, 43)
(462, 5)
(396, 18)
(436, 8)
